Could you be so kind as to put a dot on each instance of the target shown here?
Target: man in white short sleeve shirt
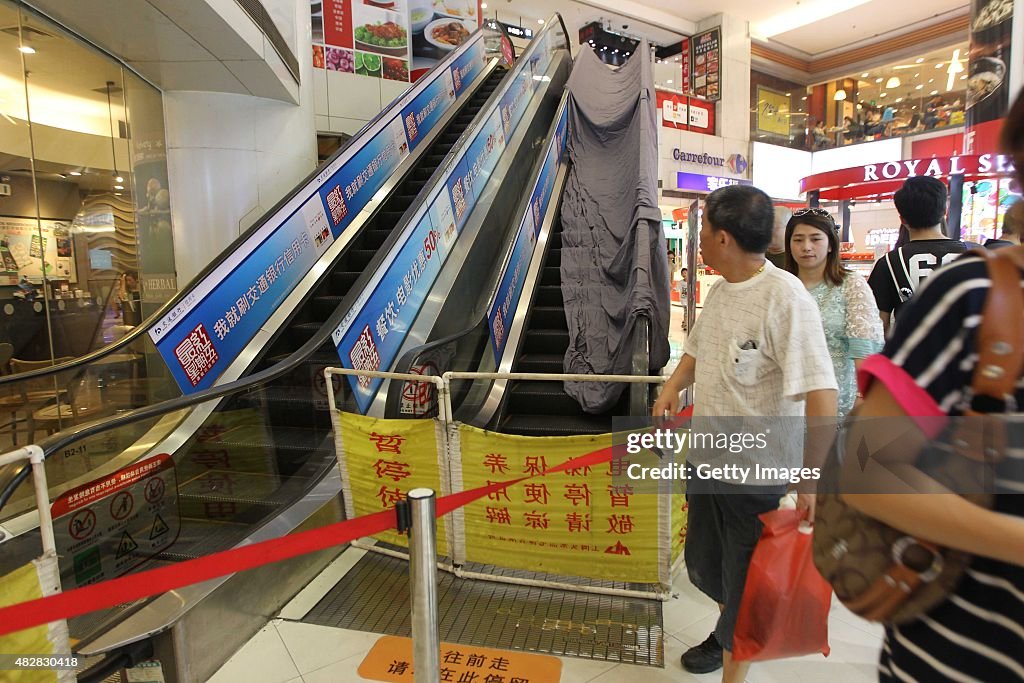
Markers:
(757, 351)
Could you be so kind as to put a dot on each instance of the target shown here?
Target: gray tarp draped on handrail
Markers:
(614, 259)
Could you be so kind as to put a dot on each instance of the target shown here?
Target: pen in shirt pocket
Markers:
(749, 345)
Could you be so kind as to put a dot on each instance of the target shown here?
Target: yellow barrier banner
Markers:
(382, 460)
(34, 580)
(680, 516)
(576, 523)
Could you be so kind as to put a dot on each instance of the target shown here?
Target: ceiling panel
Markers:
(873, 20)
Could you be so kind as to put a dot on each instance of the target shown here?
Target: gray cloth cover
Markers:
(614, 255)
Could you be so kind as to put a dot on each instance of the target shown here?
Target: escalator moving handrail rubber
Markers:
(59, 440)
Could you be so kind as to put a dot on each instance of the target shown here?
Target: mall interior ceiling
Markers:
(807, 37)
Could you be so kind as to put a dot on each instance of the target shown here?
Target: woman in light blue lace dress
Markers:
(853, 328)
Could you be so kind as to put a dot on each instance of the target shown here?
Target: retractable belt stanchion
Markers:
(426, 640)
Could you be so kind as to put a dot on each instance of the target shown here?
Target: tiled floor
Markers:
(287, 651)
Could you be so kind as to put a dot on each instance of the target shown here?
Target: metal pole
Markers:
(38, 460)
(426, 641)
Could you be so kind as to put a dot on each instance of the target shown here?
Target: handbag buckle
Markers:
(902, 545)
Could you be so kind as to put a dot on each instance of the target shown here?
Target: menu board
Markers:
(364, 37)
(985, 203)
(29, 248)
(706, 63)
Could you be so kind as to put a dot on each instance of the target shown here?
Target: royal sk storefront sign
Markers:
(886, 177)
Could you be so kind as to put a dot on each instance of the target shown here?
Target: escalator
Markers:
(542, 408)
(253, 454)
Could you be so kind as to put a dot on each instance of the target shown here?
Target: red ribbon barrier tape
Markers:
(152, 582)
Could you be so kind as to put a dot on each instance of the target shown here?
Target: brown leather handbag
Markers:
(881, 573)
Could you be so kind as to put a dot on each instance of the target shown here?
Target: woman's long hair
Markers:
(835, 271)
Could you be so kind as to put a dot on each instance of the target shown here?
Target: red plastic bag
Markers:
(784, 611)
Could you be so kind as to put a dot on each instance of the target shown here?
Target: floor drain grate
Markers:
(374, 596)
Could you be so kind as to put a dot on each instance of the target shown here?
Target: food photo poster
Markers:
(398, 41)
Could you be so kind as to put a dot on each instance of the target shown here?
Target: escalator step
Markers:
(552, 275)
(541, 398)
(546, 341)
(441, 148)
(374, 239)
(549, 295)
(413, 186)
(433, 160)
(341, 282)
(555, 240)
(548, 317)
(554, 258)
(556, 425)
(360, 258)
(389, 219)
(302, 332)
(540, 362)
(324, 306)
(423, 173)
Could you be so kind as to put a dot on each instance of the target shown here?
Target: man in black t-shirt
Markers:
(921, 203)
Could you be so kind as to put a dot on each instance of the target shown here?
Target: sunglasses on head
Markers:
(812, 212)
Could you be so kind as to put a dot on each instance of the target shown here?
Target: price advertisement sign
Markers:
(109, 526)
(706, 52)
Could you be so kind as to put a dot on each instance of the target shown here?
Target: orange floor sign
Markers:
(390, 659)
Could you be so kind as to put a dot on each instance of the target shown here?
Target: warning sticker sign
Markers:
(111, 525)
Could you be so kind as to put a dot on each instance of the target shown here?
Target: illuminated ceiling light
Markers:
(898, 100)
(483, 5)
(839, 96)
(919, 87)
(878, 80)
(919, 60)
(865, 75)
(76, 173)
(789, 94)
(118, 187)
(955, 67)
(540, 21)
(931, 80)
(883, 94)
(118, 179)
(934, 92)
(27, 49)
(939, 65)
(670, 81)
(806, 13)
(893, 82)
(804, 98)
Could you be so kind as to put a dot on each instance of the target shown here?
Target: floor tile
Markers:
(313, 647)
(672, 673)
(309, 596)
(576, 670)
(345, 670)
(264, 659)
(687, 605)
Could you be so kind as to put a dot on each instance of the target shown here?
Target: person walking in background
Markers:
(927, 369)
(777, 249)
(1013, 223)
(921, 204)
(853, 329)
(757, 349)
(683, 291)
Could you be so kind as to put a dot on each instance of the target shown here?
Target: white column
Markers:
(734, 107)
(230, 158)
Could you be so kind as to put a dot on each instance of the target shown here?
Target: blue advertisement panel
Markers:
(201, 336)
(423, 113)
(208, 337)
(372, 335)
(351, 187)
(514, 102)
(510, 285)
(467, 67)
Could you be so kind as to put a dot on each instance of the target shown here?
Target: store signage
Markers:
(207, 330)
(936, 167)
(882, 236)
(706, 51)
(513, 274)
(694, 182)
(772, 111)
(704, 159)
(686, 113)
(372, 333)
(513, 30)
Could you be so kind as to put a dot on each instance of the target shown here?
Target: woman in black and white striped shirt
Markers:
(977, 634)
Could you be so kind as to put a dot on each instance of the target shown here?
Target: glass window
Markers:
(85, 226)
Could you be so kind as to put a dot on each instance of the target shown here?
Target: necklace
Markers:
(759, 270)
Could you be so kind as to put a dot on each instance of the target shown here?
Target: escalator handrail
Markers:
(63, 438)
(159, 314)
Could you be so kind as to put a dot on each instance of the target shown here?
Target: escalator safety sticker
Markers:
(111, 525)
